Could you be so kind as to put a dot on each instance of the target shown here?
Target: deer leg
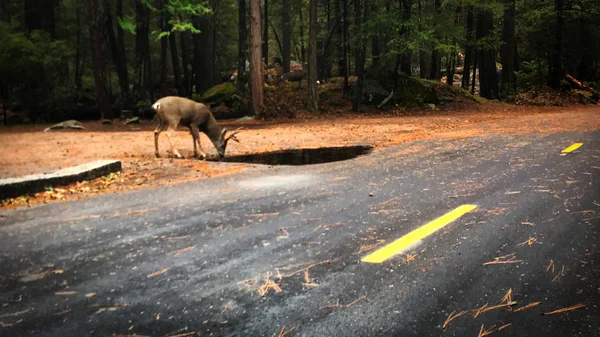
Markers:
(169, 133)
(157, 131)
(196, 135)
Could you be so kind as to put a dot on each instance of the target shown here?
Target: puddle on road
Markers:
(302, 156)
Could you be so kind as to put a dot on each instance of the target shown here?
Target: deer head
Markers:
(221, 144)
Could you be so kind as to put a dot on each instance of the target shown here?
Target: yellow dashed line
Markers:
(572, 148)
(415, 236)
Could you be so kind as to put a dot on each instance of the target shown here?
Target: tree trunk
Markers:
(488, 78)
(436, 59)
(356, 33)
(406, 64)
(256, 64)
(242, 47)
(99, 70)
(164, 45)
(142, 46)
(265, 46)
(122, 54)
(450, 66)
(475, 65)
(313, 99)
(339, 39)
(120, 65)
(468, 49)
(203, 55)
(40, 15)
(78, 48)
(346, 46)
(302, 45)
(175, 62)
(286, 34)
(325, 55)
(507, 51)
(361, 49)
(555, 72)
(186, 85)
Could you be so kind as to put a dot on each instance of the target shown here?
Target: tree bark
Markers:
(142, 46)
(99, 70)
(469, 51)
(40, 15)
(302, 45)
(313, 99)
(242, 47)
(488, 78)
(436, 59)
(286, 35)
(186, 85)
(361, 50)
(164, 45)
(555, 71)
(265, 46)
(175, 62)
(507, 51)
(118, 61)
(78, 48)
(339, 39)
(406, 64)
(256, 64)
(122, 54)
(346, 46)
(203, 55)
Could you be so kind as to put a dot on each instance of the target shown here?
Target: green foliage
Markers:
(127, 24)
(32, 67)
(180, 13)
(218, 92)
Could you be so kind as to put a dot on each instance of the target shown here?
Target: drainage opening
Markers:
(302, 156)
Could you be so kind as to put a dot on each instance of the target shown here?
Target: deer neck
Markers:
(212, 129)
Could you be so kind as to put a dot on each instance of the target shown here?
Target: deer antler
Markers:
(232, 136)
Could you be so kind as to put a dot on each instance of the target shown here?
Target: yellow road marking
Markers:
(572, 148)
(415, 236)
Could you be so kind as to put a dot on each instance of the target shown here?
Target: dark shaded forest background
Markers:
(87, 59)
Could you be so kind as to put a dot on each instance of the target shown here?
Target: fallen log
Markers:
(581, 86)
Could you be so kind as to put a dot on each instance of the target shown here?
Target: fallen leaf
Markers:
(528, 306)
(558, 311)
(158, 273)
(65, 293)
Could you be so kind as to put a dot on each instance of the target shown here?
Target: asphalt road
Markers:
(275, 249)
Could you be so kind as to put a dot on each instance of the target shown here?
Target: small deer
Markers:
(173, 111)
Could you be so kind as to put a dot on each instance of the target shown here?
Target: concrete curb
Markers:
(13, 187)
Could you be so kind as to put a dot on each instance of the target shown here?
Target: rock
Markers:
(217, 93)
(412, 92)
(132, 120)
(70, 124)
(245, 119)
(13, 187)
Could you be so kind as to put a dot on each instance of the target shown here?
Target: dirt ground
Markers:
(27, 149)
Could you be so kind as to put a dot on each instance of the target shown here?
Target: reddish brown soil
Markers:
(26, 149)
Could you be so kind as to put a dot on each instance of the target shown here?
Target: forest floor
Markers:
(27, 149)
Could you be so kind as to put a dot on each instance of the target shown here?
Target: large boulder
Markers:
(218, 93)
(412, 92)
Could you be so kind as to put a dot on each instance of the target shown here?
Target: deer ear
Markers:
(224, 131)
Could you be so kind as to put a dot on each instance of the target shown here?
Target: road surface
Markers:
(433, 238)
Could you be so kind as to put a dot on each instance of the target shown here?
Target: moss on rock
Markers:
(217, 92)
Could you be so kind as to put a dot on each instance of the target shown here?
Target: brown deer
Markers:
(173, 111)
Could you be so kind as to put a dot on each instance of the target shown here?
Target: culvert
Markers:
(302, 156)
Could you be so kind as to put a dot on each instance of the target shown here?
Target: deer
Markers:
(173, 111)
